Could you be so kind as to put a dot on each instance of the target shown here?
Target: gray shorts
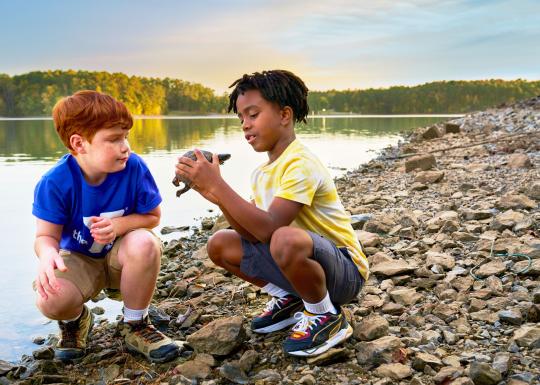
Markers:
(343, 280)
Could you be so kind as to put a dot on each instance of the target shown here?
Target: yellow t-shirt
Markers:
(298, 175)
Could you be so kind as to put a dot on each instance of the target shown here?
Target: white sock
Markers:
(321, 307)
(134, 315)
(274, 291)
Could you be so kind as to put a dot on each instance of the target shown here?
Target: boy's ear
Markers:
(286, 115)
(77, 143)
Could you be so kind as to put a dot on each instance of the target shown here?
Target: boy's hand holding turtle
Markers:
(200, 171)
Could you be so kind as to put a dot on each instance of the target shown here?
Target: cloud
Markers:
(338, 44)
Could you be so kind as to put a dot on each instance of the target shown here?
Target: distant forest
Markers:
(35, 93)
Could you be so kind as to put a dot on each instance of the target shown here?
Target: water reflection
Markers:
(22, 140)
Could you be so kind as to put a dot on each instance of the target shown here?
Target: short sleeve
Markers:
(148, 196)
(298, 183)
(49, 202)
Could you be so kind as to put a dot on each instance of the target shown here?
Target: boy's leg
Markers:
(292, 249)
(135, 262)
(139, 258)
(225, 250)
(318, 271)
(84, 278)
(65, 304)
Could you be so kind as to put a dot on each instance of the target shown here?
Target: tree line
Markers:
(35, 93)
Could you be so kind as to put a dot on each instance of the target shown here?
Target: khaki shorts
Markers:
(91, 275)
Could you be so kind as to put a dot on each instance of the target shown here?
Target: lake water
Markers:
(28, 148)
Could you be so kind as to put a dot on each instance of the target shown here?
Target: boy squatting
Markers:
(93, 210)
(294, 239)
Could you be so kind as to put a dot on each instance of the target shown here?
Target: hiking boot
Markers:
(73, 337)
(316, 333)
(278, 314)
(142, 337)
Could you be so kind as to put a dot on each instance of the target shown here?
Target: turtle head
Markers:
(223, 157)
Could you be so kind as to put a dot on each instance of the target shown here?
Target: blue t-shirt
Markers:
(63, 197)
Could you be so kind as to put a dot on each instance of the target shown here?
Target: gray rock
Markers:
(6, 367)
(502, 362)
(482, 373)
(248, 360)
(392, 268)
(394, 371)
(442, 259)
(368, 239)
(519, 161)
(233, 373)
(516, 201)
(451, 128)
(371, 328)
(528, 336)
(422, 359)
(405, 296)
(219, 337)
(44, 353)
(495, 267)
(194, 369)
(511, 316)
(431, 132)
(422, 162)
(429, 177)
(380, 351)
(447, 374)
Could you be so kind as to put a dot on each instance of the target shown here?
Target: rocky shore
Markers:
(450, 220)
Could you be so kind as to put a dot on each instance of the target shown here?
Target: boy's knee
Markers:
(56, 306)
(143, 245)
(49, 307)
(215, 244)
(288, 244)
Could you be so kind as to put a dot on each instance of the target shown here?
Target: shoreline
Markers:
(421, 316)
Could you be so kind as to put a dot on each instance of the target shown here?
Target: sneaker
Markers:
(316, 333)
(142, 337)
(73, 337)
(279, 314)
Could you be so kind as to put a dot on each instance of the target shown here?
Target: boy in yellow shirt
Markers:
(294, 240)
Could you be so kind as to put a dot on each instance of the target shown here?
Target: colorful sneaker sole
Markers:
(277, 326)
(341, 336)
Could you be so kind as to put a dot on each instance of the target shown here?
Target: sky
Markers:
(332, 44)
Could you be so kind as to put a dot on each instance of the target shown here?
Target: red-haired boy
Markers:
(94, 209)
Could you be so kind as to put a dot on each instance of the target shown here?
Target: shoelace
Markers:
(273, 302)
(147, 332)
(305, 322)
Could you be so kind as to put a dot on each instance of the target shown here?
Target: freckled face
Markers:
(261, 120)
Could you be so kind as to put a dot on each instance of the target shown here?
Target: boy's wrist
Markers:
(216, 188)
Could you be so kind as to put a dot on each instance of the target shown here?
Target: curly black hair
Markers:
(278, 86)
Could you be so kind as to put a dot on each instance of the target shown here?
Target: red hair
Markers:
(86, 112)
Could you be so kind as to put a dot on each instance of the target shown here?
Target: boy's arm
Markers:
(239, 229)
(209, 183)
(46, 246)
(105, 230)
(258, 223)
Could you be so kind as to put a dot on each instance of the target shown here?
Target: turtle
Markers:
(191, 154)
